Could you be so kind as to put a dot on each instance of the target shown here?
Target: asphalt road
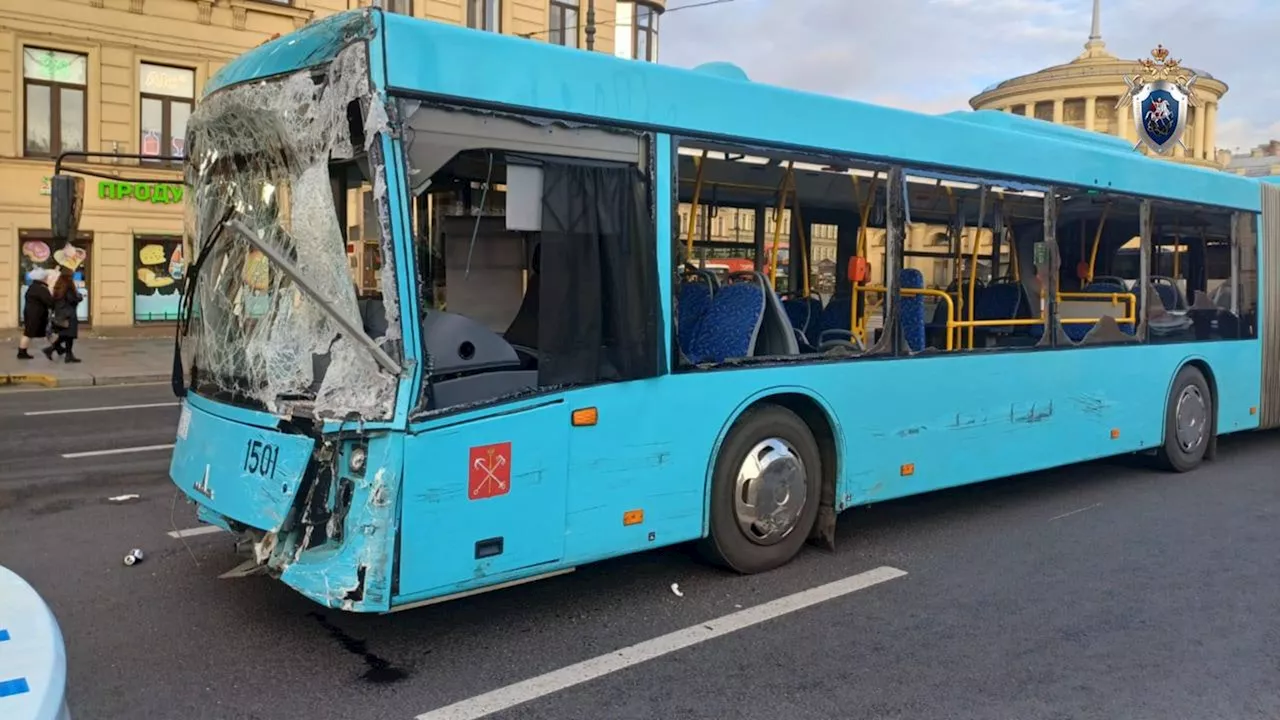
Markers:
(1101, 591)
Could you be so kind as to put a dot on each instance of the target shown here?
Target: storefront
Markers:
(127, 259)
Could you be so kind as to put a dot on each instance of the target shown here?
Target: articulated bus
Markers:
(547, 379)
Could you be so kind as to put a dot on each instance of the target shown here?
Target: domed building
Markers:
(1084, 93)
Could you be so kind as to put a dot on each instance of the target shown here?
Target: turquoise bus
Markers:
(546, 377)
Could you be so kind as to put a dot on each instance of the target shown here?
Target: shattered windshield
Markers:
(294, 161)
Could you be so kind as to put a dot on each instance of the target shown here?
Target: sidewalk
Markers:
(106, 361)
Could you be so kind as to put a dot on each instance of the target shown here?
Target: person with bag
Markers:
(64, 321)
(36, 311)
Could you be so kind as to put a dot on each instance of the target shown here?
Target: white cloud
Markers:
(932, 55)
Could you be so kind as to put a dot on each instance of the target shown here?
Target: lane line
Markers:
(116, 451)
(578, 673)
(1073, 512)
(192, 532)
(33, 413)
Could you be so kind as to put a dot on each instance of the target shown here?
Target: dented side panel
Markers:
(354, 571)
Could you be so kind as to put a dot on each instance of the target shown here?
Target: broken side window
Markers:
(536, 248)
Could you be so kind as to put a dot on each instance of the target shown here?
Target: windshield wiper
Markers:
(353, 331)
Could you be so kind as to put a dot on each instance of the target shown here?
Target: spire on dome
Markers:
(1096, 46)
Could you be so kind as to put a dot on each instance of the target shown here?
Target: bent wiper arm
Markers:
(294, 274)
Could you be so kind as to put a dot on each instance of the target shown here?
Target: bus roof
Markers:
(444, 61)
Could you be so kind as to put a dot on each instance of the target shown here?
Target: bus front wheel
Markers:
(765, 491)
(1188, 421)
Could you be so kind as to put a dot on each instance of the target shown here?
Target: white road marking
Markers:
(1073, 512)
(576, 674)
(117, 451)
(191, 532)
(122, 498)
(99, 409)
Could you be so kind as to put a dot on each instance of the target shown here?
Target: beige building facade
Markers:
(122, 76)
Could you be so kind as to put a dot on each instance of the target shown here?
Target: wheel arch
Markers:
(816, 413)
(1202, 364)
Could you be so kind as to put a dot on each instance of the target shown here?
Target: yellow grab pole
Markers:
(693, 212)
(973, 264)
(804, 242)
(1097, 239)
(779, 206)
(858, 323)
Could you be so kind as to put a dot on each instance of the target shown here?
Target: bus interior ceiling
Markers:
(971, 240)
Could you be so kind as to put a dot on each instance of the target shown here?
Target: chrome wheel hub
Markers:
(1190, 418)
(771, 491)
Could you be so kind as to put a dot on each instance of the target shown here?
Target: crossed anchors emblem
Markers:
(489, 465)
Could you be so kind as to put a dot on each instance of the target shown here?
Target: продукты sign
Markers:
(157, 192)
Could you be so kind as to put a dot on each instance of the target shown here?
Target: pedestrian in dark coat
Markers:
(64, 320)
(35, 315)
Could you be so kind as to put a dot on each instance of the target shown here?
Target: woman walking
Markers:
(35, 315)
(65, 321)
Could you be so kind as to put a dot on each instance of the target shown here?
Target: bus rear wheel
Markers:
(765, 491)
(1188, 421)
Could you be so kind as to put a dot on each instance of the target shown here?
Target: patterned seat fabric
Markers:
(912, 309)
(731, 324)
(998, 301)
(694, 301)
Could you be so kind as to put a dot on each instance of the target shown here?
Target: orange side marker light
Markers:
(1115, 433)
(907, 469)
(584, 417)
(633, 517)
(1253, 410)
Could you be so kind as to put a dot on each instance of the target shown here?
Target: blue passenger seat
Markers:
(731, 324)
(912, 309)
(999, 301)
(694, 301)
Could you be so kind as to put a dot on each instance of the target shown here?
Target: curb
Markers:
(53, 381)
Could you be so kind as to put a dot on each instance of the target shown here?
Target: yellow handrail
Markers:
(1097, 239)
(973, 265)
(804, 243)
(957, 325)
(857, 322)
(779, 207)
(693, 212)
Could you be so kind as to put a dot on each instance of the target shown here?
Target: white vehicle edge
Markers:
(33, 659)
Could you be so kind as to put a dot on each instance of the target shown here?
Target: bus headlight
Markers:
(356, 460)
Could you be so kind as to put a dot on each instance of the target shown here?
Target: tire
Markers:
(777, 438)
(1190, 405)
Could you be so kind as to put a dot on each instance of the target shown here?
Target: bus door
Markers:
(484, 494)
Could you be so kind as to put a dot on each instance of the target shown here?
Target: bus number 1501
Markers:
(260, 458)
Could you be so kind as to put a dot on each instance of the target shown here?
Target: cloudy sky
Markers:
(932, 55)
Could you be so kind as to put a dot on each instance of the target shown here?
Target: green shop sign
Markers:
(157, 192)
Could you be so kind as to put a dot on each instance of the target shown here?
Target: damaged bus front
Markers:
(285, 434)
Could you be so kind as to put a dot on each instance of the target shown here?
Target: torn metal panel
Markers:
(352, 571)
(260, 154)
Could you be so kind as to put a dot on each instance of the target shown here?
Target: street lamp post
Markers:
(591, 25)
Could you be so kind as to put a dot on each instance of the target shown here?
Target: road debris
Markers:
(133, 557)
(675, 588)
(122, 498)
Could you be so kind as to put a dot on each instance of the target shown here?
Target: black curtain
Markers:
(598, 296)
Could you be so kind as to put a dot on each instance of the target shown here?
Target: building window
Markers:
(485, 15)
(636, 31)
(563, 26)
(166, 95)
(158, 276)
(646, 32)
(54, 87)
(400, 7)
